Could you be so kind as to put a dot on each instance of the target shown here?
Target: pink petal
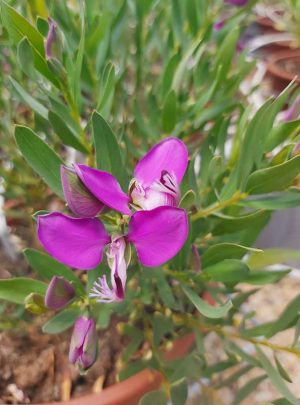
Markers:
(170, 155)
(78, 197)
(76, 242)
(105, 187)
(158, 235)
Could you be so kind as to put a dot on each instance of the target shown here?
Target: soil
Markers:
(35, 367)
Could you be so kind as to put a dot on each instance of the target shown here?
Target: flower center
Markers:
(161, 192)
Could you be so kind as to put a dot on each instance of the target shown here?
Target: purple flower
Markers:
(157, 236)
(51, 37)
(157, 231)
(83, 347)
(156, 182)
(239, 3)
(59, 293)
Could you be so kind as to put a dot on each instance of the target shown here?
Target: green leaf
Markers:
(18, 28)
(261, 277)
(188, 200)
(64, 132)
(247, 389)
(280, 133)
(161, 325)
(179, 392)
(40, 157)
(47, 267)
(289, 314)
(164, 289)
(26, 58)
(272, 256)
(17, 289)
(169, 112)
(281, 401)
(228, 271)
(62, 321)
(221, 251)
(274, 201)
(226, 52)
(282, 371)
(205, 309)
(108, 83)
(274, 178)
(275, 377)
(108, 155)
(30, 101)
(228, 224)
(154, 397)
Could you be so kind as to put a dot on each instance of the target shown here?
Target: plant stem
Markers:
(219, 206)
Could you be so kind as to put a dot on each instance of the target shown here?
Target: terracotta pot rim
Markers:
(129, 391)
(276, 70)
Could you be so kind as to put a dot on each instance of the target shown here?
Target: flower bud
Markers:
(83, 347)
(59, 293)
(78, 198)
(34, 303)
(239, 3)
(53, 41)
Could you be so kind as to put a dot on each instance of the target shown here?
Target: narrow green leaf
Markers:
(274, 201)
(40, 157)
(282, 371)
(274, 178)
(17, 289)
(169, 112)
(64, 132)
(47, 267)
(164, 289)
(215, 253)
(205, 309)
(275, 377)
(108, 85)
(247, 389)
(30, 101)
(272, 256)
(25, 57)
(261, 277)
(154, 397)
(228, 271)
(289, 314)
(108, 155)
(179, 392)
(18, 28)
(280, 133)
(62, 321)
(228, 224)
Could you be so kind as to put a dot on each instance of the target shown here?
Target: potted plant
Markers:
(146, 237)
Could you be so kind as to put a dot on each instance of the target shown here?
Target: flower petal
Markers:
(76, 242)
(158, 234)
(78, 197)
(105, 187)
(170, 155)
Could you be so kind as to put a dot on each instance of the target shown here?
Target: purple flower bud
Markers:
(218, 25)
(293, 112)
(77, 196)
(51, 37)
(83, 347)
(59, 293)
(196, 259)
(239, 3)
